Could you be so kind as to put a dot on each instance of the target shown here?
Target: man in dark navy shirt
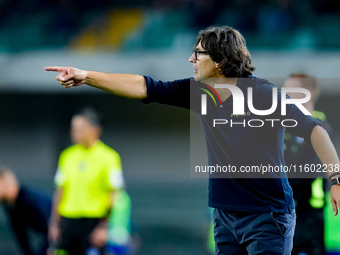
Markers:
(27, 209)
(252, 215)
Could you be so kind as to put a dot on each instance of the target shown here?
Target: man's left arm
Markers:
(325, 150)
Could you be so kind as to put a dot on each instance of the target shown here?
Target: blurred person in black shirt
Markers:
(308, 187)
(27, 210)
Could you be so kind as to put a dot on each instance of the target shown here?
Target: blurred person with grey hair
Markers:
(252, 215)
(89, 172)
(27, 209)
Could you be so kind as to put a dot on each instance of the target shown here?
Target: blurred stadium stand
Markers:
(135, 25)
(150, 38)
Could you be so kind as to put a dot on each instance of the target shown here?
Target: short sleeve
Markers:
(114, 174)
(59, 178)
(295, 121)
(304, 123)
(116, 179)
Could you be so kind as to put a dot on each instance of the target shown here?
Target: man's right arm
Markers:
(124, 85)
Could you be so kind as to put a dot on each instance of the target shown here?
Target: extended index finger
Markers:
(55, 68)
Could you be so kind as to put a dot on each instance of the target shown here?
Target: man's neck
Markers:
(220, 80)
(224, 93)
(88, 144)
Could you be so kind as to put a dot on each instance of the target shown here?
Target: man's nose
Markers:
(192, 58)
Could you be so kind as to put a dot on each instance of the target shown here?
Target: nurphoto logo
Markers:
(238, 106)
(238, 100)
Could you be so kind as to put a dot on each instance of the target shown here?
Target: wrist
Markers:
(103, 223)
(335, 181)
(54, 223)
(86, 74)
(334, 175)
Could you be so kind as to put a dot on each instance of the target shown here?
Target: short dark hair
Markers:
(88, 112)
(227, 47)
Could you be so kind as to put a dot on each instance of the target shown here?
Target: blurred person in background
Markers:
(88, 174)
(308, 190)
(27, 209)
(251, 215)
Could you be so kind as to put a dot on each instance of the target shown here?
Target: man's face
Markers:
(81, 131)
(204, 66)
